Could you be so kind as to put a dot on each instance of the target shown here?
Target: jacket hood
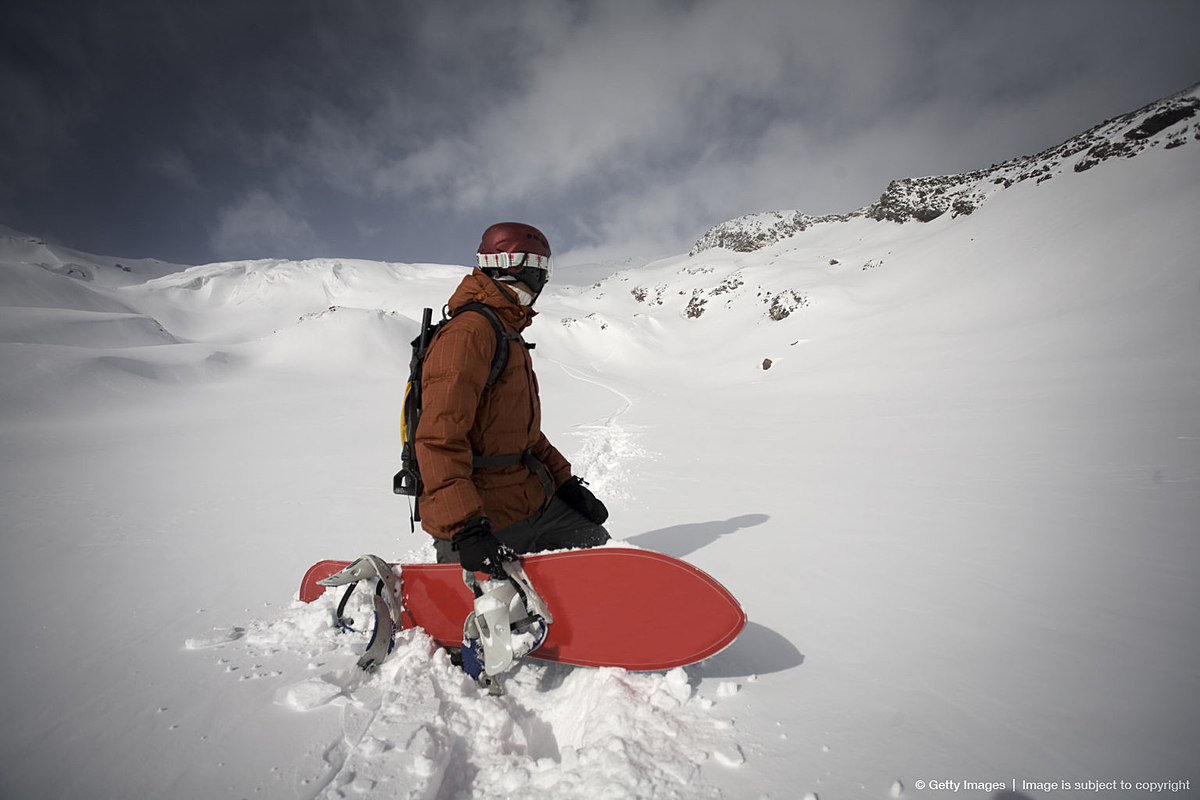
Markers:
(480, 288)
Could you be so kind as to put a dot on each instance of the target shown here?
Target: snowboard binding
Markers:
(387, 602)
(509, 621)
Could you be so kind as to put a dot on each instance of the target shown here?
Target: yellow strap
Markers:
(404, 417)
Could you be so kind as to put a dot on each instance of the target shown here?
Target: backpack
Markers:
(408, 480)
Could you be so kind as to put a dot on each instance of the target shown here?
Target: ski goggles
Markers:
(514, 262)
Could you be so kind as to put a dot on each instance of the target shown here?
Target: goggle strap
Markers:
(513, 261)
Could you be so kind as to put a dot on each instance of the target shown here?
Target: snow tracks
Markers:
(419, 729)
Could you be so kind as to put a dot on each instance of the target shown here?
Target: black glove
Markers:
(480, 551)
(574, 492)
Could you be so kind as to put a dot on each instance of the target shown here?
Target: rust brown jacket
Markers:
(460, 420)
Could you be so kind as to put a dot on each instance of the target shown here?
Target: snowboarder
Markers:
(494, 486)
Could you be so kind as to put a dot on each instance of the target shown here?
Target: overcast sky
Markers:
(397, 130)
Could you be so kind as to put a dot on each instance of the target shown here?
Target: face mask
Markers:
(523, 297)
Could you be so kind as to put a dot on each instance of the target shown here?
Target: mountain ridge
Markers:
(927, 198)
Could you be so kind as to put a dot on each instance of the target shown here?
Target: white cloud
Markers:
(259, 226)
(660, 117)
(631, 121)
(174, 166)
(629, 87)
(623, 123)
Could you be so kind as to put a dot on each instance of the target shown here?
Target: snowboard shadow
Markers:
(757, 651)
(681, 540)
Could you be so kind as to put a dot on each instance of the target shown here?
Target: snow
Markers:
(960, 509)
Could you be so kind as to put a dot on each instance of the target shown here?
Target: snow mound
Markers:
(343, 340)
(91, 329)
(16, 247)
(32, 285)
(419, 728)
(246, 300)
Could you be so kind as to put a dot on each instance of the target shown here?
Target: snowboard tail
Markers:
(612, 606)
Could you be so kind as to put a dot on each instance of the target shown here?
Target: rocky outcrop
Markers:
(1167, 124)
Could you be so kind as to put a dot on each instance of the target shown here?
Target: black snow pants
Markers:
(556, 527)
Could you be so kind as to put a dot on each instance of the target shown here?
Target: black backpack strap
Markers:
(526, 459)
(503, 337)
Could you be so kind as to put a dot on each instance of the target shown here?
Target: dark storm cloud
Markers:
(399, 129)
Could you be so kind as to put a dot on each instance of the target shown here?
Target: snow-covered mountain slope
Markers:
(951, 469)
(1164, 124)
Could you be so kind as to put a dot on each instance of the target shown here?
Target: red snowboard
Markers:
(612, 607)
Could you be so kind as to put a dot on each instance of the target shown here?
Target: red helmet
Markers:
(517, 251)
